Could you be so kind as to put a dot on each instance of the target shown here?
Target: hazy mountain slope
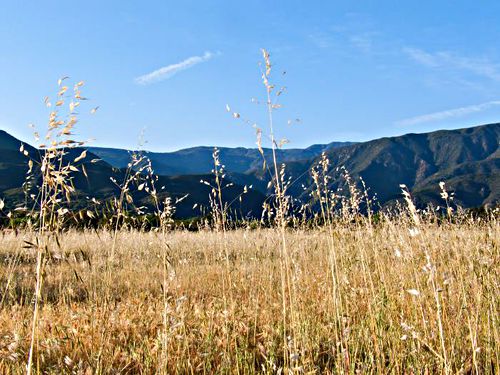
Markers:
(97, 183)
(13, 167)
(8, 142)
(467, 159)
(198, 160)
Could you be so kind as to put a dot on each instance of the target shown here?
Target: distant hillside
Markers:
(8, 142)
(198, 160)
(14, 165)
(468, 160)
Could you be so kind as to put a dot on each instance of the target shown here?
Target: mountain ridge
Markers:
(467, 159)
(198, 159)
(422, 160)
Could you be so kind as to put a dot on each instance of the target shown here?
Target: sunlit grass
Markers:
(328, 287)
(89, 322)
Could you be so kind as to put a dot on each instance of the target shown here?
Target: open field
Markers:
(357, 230)
(353, 299)
(329, 281)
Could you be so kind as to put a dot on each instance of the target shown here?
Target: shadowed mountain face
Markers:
(8, 142)
(468, 160)
(13, 164)
(97, 183)
(198, 160)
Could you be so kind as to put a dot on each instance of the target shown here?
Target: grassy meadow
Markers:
(343, 291)
(349, 299)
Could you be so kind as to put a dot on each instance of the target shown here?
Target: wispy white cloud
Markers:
(172, 69)
(363, 41)
(343, 36)
(444, 59)
(421, 57)
(321, 40)
(450, 113)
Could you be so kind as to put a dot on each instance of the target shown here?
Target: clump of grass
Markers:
(133, 174)
(55, 189)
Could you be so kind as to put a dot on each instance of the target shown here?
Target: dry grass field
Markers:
(350, 299)
(343, 291)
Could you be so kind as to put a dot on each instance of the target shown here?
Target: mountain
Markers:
(13, 164)
(8, 142)
(97, 183)
(198, 160)
(468, 160)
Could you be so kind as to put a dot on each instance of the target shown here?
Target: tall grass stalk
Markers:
(56, 186)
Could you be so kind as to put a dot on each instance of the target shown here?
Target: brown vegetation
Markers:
(340, 291)
(91, 321)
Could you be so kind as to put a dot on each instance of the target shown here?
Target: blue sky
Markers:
(356, 70)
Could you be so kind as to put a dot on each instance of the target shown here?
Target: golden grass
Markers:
(102, 316)
(341, 293)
